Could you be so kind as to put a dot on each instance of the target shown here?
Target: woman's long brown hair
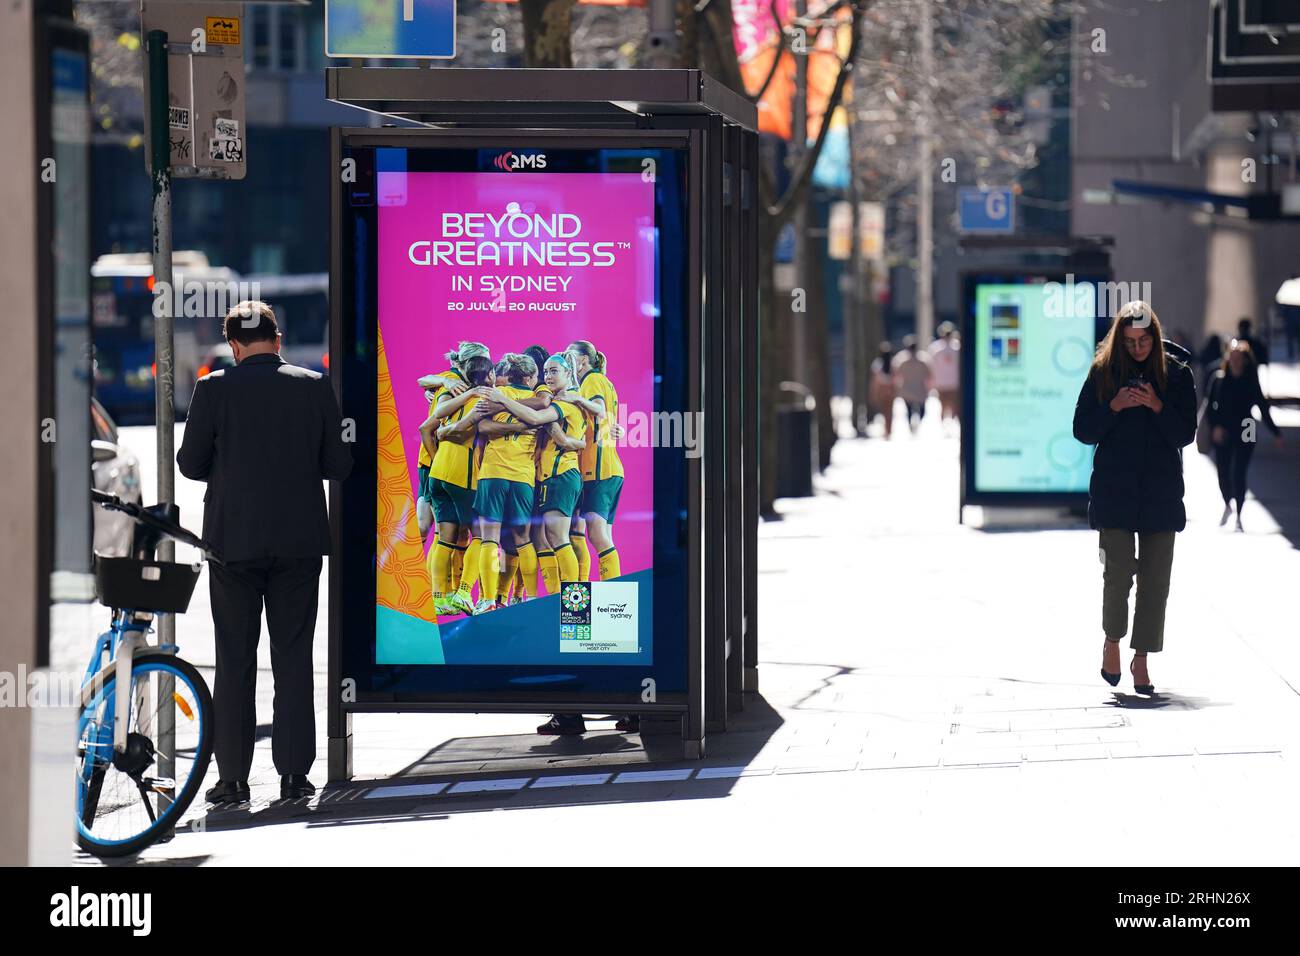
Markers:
(1112, 366)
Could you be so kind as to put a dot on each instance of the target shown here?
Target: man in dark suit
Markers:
(263, 435)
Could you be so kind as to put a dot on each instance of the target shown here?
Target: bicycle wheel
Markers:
(123, 804)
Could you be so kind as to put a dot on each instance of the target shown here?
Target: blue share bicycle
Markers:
(144, 731)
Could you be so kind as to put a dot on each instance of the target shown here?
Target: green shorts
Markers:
(601, 497)
(451, 503)
(561, 493)
(503, 501)
(422, 489)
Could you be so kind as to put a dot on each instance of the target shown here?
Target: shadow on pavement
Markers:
(1163, 701)
(85, 859)
(1275, 481)
(512, 772)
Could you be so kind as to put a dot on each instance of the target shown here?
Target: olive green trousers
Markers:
(1151, 560)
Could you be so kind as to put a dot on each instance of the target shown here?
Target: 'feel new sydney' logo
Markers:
(510, 161)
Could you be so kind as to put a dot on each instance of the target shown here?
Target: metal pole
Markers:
(925, 188)
(852, 299)
(662, 36)
(164, 409)
(799, 146)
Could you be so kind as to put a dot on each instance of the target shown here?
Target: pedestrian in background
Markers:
(945, 362)
(913, 380)
(1258, 347)
(881, 394)
(1138, 406)
(1209, 359)
(1234, 393)
(263, 435)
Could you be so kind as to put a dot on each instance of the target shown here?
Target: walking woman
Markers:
(1234, 393)
(1138, 407)
(882, 385)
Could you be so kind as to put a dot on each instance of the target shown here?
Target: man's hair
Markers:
(251, 321)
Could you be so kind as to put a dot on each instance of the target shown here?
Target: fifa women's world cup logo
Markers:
(576, 597)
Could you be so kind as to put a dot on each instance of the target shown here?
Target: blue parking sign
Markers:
(395, 29)
(987, 210)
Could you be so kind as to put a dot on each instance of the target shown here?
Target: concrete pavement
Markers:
(929, 694)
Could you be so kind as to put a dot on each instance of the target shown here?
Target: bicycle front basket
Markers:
(160, 586)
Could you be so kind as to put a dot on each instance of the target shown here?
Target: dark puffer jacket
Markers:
(1137, 469)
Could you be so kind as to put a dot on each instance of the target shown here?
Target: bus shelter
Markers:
(609, 217)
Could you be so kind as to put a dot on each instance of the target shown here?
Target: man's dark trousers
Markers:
(265, 436)
(289, 588)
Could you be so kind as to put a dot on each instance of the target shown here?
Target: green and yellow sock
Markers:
(457, 567)
(527, 569)
(442, 557)
(567, 563)
(550, 572)
(469, 575)
(430, 560)
(489, 569)
(508, 564)
(579, 543)
(609, 568)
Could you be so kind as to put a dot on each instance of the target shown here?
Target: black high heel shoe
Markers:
(1146, 690)
(1107, 676)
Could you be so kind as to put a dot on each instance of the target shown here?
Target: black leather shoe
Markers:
(228, 791)
(1146, 690)
(1107, 676)
(294, 786)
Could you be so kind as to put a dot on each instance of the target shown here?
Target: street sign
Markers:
(391, 29)
(205, 86)
(987, 210)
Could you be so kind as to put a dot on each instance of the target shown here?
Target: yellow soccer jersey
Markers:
(455, 461)
(541, 389)
(450, 373)
(553, 461)
(511, 456)
(600, 458)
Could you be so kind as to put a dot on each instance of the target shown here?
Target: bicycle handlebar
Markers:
(142, 516)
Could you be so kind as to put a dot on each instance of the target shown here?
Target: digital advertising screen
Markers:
(1030, 341)
(521, 313)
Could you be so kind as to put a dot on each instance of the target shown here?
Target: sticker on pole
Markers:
(226, 150)
(223, 31)
(599, 617)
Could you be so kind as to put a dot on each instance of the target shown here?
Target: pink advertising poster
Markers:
(507, 260)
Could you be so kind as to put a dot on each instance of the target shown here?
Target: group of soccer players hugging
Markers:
(518, 470)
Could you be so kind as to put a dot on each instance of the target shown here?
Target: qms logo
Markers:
(510, 161)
